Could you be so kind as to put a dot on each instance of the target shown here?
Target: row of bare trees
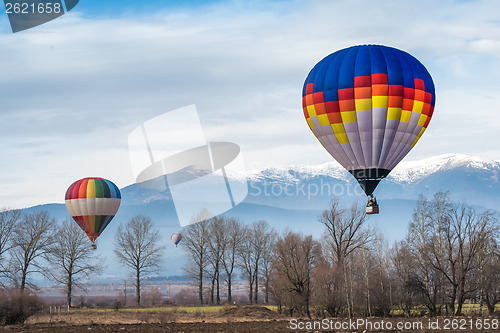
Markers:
(35, 245)
(220, 246)
(450, 256)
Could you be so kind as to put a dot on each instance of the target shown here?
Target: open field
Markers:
(179, 309)
(254, 319)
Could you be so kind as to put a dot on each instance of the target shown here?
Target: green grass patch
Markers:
(272, 307)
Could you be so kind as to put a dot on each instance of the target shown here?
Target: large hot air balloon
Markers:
(176, 238)
(92, 203)
(368, 106)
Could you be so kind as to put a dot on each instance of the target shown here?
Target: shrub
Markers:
(185, 297)
(166, 317)
(145, 317)
(116, 304)
(17, 306)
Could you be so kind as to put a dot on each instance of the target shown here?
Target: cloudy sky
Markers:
(72, 90)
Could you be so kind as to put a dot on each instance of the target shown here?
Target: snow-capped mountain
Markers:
(470, 179)
(409, 172)
(405, 172)
(467, 178)
(294, 173)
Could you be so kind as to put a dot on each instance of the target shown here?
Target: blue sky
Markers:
(73, 89)
(117, 8)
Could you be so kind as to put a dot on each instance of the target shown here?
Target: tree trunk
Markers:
(125, 295)
(458, 312)
(460, 301)
(250, 294)
(367, 284)
(307, 295)
(346, 288)
(481, 290)
(212, 288)
(390, 296)
(308, 313)
(218, 287)
(138, 288)
(69, 287)
(200, 286)
(23, 280)
(351, 289)
(491, 308)
(453, 299)
(481, 302)
(229, 296)
(256, 275)
(267, 289)
(460, 298)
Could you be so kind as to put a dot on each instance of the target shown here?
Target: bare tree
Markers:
(8, 222)
(267, 260)
(195, 240)
(345, 233)
(246, 259)
(295, 258)
(137, 245)
(327, 293)
(423, 276)
(260, 240)
(451, 237)
(345, 229)
(251, 249)
(71, 258)
(466, 234)
(380, 286)
(217, 247)
(490, 281)
(403, 263)
(232, 237)
(31, 239)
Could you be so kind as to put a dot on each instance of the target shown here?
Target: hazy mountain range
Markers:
(294, 198)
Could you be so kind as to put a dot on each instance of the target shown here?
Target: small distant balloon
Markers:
(176, 238)
(92, 203)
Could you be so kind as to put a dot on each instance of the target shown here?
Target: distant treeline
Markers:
(173, 278)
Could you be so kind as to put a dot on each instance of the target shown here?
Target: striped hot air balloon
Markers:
(176, 238)
(92, 203)
(368, 105)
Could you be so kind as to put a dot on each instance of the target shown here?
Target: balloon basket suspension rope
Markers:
(371, 205)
